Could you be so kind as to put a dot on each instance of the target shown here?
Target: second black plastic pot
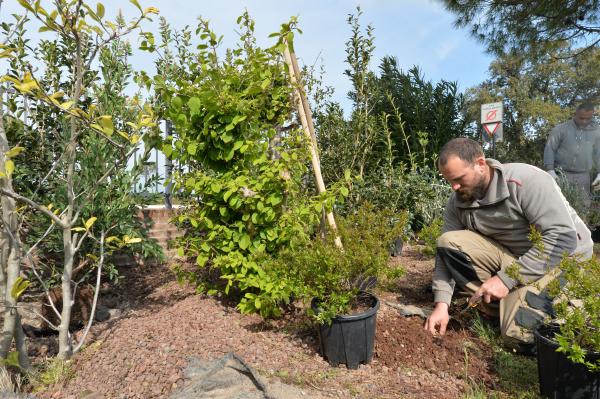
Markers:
(560, 378)
(349, 339)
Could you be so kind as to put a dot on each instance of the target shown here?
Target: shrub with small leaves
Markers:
(429, 234)
(578, 309)
(320, 270)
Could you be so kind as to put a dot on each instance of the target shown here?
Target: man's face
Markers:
(467, 179)
(583, 118)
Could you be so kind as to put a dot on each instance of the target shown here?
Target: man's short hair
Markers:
(585, 107)
(466, 149)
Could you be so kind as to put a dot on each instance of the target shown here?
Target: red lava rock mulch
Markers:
(144, 352)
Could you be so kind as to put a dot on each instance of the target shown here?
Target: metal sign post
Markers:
(491, 119)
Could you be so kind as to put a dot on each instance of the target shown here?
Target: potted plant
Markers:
(568, 349)
(338, 282)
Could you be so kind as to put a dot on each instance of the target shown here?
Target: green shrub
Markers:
(578, 309)
(429, 235)
(422, 192)
(320, 270)
(574, 194)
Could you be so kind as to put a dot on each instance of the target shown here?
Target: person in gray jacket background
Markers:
(574, 146)
(485, 233)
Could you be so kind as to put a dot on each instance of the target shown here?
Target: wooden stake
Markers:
(309, 131)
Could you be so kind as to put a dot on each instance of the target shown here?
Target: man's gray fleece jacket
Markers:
(518, 196)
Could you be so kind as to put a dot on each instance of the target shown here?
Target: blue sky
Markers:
(417, 32)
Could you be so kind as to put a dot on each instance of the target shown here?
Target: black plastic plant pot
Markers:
(349, 339)
(560, 378)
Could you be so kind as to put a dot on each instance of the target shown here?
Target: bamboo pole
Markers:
(309, 131)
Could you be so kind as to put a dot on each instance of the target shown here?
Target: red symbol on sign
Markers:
(491, 127)
(491, 115)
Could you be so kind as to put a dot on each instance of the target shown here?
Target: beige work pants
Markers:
(472, 259)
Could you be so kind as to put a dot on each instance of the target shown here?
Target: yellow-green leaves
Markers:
(104, 124)
(13, 152)
(87, 225)
(131, 240)
(151, 10)
(25, 4)
(136, 3)
(26, 86)
(9, 167)
(5, 51)
(100, 10)
(67, 105)
(19, 287)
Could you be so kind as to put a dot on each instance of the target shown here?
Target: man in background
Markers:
(574, 146)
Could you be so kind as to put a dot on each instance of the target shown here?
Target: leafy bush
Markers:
(574, 194)
(430, 234)
(320, 270)
(578, 309)
(422, 192)
(244, 165)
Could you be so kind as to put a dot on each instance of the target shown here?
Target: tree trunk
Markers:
(11, 262)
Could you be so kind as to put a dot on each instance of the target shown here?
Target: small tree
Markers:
(85, 134)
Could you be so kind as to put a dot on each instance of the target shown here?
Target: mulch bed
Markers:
(144, 352)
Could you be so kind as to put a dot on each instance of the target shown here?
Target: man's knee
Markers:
(449, 239)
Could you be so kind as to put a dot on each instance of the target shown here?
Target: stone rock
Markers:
(102, 313)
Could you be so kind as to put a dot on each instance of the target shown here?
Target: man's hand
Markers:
(552, 173)
(492, 290)
(596, 182)
(438, 319)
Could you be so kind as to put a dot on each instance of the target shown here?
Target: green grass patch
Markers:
(517, 374)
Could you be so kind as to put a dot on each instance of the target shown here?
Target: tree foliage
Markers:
(536, 97)
(396, 127)
(530, 28)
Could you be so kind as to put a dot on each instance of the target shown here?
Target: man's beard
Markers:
(476, 193)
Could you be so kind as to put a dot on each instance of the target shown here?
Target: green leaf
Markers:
(194, 105)
(227, 195)
(100, 10)
(239, 118)
(201, 260)
(135, 3)
(177, 103)
(265, 83)
(226, 138)
(192, 148)
(344, 191)
(245, 241)
(167, 149)
(215, 187)
(12, 359)
(19, 287)
(26, 5)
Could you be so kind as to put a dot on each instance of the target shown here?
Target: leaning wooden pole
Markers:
(309, 131)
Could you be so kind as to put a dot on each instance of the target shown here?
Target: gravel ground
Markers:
(143, 352)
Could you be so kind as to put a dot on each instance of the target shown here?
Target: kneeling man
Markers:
(484, 244)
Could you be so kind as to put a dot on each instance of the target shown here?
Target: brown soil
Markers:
(143, 352)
